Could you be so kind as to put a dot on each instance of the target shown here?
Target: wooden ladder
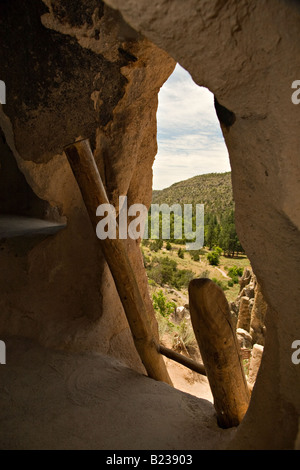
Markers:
(208, 307)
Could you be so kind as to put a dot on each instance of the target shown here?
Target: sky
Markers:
(190, 140)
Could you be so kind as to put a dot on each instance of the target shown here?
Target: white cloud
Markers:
(190, 140)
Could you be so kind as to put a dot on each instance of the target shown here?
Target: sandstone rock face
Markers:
(255, 362)
(246, 278)
(81, 72)
(244, 338)
(258, 318)
(245, 54)
(249, 309)
(244, 314)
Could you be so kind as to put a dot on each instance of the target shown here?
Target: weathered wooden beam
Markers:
(218, 346)
(185, 361)
(86, 173)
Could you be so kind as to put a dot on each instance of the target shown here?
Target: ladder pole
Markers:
(81, 160)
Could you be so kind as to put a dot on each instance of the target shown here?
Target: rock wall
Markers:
(249, 311)
(245, 53)
(73, 70)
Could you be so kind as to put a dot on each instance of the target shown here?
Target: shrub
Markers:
(220, 283)
(154, 274)
(186, 334)
(168, 246)
(182, 278)
(230, 283)
(165, 271)
(156, 245)
(180, 253)
(164, 325)
(196, 254)
(234, 272)
(213, 258)
(218, 250)
(162, 270)
(161, 305)
(205, 274)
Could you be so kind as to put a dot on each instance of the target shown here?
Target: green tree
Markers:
(161, 305)
(168, 246)
(228, 239)
(218, 250)
(234, 272)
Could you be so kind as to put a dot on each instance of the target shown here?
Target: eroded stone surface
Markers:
(245, 54)
(81, 72)
(91, 401)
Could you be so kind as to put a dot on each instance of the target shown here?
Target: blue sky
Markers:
(190, 140)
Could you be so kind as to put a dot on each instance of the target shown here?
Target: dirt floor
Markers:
(188, 381)
(60, 400)
(185, 379)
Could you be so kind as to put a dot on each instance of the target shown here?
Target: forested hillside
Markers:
(214, 190)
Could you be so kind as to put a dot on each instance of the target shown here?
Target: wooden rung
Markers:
(185, 361)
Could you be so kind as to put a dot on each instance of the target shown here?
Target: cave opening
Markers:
(190, 141)
(190, 147)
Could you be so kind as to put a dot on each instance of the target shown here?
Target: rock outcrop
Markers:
(244, 315)
(248, 315)
(255, 362)
(258, 318)
(249, 310)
